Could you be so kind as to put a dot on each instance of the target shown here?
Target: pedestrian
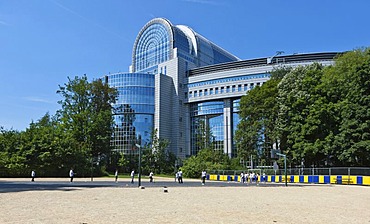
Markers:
(264, 177)
(33, 175)
(246, 176)
(71, 174)
(180, 177)
(177, 177)
(242, 177)
(132, 176)
(204, 174)
(151, 177)
(116, 175)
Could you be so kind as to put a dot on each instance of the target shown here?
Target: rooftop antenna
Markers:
(269, 59)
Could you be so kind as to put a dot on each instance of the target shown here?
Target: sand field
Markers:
(121, 204)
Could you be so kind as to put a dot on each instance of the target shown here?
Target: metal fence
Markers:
(350, 171)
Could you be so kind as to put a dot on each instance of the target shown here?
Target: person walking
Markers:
(132, 176)
(180, 177)
(151, 177)
(71, 174)
(204, 174)
(33, 175)
(177, 177)
(242, 177)
(116, 175)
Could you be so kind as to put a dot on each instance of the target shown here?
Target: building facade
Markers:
(185, 86)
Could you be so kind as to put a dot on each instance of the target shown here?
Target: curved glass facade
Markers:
(158, 38)
(134, 110)
(153, 47)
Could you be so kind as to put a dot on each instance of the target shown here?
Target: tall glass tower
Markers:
(151, 96)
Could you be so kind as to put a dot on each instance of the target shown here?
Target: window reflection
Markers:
(133, 112)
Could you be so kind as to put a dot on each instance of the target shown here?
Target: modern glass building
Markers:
(151, 96)
(134, 110)
(187, 88)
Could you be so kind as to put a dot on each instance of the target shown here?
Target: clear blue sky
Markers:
(42, 42)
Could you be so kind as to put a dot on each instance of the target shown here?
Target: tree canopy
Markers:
(77, 133)
(313, 113)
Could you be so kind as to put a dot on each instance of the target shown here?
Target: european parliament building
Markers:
(180, 84)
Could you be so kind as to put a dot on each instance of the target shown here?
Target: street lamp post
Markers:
(92, 168)
(139, 146)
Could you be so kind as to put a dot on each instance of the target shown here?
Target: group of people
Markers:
(151, 176)
(71, 175)
(251, 177)
(178, 177)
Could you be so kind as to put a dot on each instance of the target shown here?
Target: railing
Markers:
(350, 171)
(334, 175)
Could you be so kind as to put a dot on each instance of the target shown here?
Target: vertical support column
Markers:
(227, 127)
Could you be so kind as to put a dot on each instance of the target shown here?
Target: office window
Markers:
(245, 87)
(190, 94)
(239, 88)
(216, 90)
(195, 93)
(211, 91)
(222, 90)
(227, 89)
(206, 92)
(200, 92)
(233, 88)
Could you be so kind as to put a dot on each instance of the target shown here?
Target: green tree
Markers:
(257, 133)
(207, 159)
(156, 155)
(299, 100)
(348, 84)
(87, 114)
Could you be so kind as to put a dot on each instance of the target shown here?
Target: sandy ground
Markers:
(304, 204)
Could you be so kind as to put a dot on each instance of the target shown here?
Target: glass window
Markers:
(145, 56)
(195, 93)
(216, 90)
(222, 90)
(200, 93)
(239, 88)
(211, 91)
(227, 89)
(233, 89)
(206, 92)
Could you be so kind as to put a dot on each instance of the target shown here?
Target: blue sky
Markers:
(42, 42)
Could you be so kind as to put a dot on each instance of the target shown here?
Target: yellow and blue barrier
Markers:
(307, 179)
